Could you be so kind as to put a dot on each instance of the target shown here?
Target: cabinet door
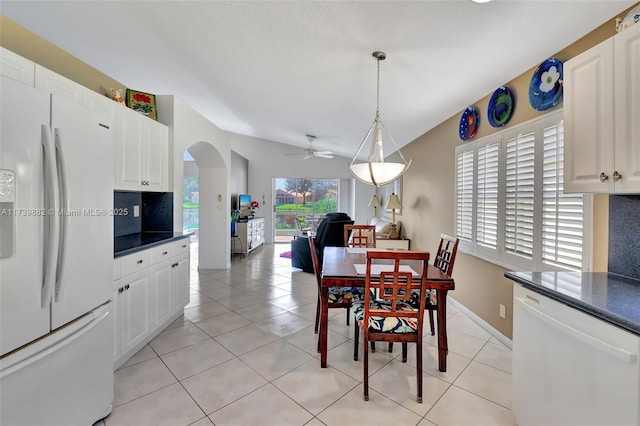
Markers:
(16, 67)
(155, 157)
(627, 110)
(52, 82)
(161, 291)
(135, 310)
(180, 282)
(102, 105)
(588, 120)
(129, 151)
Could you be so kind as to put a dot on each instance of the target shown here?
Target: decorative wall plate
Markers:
(545, 89)
(469, 123)
(501, 107)
(633, 17)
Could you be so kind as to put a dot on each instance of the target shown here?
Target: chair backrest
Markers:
(396, 284)
(316, 262)
(446, 254)
(359, 236)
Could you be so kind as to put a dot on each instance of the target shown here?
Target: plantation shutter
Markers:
(464, 195)
(562, 218)
(487, 196)
(519, 195)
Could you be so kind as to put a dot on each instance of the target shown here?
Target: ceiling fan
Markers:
(312, 152)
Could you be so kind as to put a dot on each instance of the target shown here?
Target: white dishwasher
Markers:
(571, 368)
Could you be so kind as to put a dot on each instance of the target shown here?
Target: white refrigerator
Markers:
(56, 260)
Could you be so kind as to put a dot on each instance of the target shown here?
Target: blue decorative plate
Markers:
(469, 123)
(545, 89)
(501, 106)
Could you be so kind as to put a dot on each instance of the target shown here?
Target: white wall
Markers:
(267, 160)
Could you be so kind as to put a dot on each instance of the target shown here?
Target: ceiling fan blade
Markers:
(323, 155)
(324, 152)
(307, 156)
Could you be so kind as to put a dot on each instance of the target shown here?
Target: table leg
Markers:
(324, 325)
(442, 330)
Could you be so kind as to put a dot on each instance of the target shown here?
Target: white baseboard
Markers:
(482, 323)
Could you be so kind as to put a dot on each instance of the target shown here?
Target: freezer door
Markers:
(23, 113)
(64, 379)
(84, 146)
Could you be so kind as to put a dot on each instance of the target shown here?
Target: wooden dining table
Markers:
(338, 270)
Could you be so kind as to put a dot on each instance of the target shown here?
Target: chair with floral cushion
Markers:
(445, 259)
(390, 317)
(339, 297)
(359, 236)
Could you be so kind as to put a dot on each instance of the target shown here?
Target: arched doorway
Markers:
(212, 205)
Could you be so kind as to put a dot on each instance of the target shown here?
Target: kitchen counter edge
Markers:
(132, 250)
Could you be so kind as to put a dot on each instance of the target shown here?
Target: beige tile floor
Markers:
(245, 354)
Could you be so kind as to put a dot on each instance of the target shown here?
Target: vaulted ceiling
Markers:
(278, 70)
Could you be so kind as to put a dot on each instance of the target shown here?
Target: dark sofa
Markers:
(330, 232)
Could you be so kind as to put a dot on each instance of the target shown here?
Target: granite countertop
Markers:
(132, 243)
(610, 297)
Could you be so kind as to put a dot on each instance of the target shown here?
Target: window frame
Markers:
(499, 254)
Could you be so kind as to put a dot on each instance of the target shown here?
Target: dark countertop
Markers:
(612, 298)
(132, 243)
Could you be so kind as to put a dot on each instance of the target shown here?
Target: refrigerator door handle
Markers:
(63, 218)
(52, 207)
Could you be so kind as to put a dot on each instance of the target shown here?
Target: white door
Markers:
(23, 316)
(85, 265)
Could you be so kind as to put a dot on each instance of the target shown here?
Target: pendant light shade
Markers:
(376, 171)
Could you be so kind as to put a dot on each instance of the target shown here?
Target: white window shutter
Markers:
(487, 196)
(562, 218)
(519, 195)
(464, 195)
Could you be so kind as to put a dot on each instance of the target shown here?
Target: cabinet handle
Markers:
(174, 265)
(140, 261)
(164, 253)
(603, 177)
(184, 246)
(126, 287)
(616, 176)
(121, 289)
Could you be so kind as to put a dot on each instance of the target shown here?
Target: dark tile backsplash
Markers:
(624, 235)
(156, 212)
(126, 224)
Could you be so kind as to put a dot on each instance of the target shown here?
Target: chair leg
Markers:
(373, 346)
(356, 337)
(419, 369)
(433, 330)
(317, 315)
(404, 351)
(390, 347)
(366, 368)
(348, 313)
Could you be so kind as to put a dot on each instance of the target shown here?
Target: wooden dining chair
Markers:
(390, 317)
(339, 297)
(359, 236)
(444, 260)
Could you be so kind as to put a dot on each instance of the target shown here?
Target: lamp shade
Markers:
(394, 202)
(374, 202)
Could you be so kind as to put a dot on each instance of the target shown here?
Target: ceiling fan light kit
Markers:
(376, 171)
(311, 152)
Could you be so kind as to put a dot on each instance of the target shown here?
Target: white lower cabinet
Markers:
(151, 289)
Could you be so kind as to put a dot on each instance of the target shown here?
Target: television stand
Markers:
(251, 235)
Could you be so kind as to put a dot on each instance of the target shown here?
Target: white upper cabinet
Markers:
(52, 82)
(601, 110)
(142, 153)
(16, 67)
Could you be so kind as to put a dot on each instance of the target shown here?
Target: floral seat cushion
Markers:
(432, 300)
(387, 324)
(345, 294)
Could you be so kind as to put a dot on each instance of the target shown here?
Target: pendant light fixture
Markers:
(377, 171)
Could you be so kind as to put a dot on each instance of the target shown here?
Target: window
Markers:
(510, 205)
